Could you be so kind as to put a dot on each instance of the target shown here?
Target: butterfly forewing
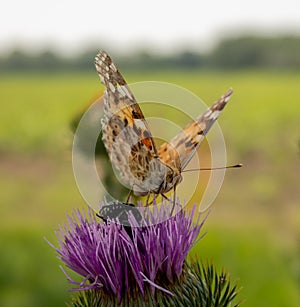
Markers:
(126, 135)
(180, 150)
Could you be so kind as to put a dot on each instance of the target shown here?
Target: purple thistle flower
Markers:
(112, 259)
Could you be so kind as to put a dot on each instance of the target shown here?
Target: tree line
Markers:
(231, 53)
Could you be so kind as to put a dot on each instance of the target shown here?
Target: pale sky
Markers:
(158, 24)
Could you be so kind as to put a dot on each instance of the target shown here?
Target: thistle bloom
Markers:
(114, 260)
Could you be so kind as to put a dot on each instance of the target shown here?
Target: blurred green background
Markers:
(254, 227)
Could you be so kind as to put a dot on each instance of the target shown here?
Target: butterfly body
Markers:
(129, 143)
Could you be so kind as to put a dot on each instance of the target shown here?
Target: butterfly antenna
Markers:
(213, 168)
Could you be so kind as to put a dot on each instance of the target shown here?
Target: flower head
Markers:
(116, 261)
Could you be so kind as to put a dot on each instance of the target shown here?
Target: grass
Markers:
(254, 225)
(37, 110)
(270, 277)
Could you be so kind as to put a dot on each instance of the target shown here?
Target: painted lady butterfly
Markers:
(130, 146)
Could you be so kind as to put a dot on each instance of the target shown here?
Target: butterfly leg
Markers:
(147, 199)
(128, 197)
(165, 197)
(153, 199)
(174, 200)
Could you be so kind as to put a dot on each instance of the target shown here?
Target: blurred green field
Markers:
(253, 229)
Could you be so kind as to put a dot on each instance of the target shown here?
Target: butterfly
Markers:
(143, 167)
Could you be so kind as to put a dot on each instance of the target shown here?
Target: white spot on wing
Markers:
(139, 123)
(227, 98)
(125, 92)
(111, 86)
(208, 113)
(215, 115)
